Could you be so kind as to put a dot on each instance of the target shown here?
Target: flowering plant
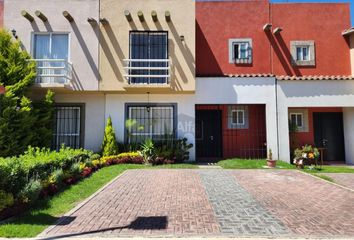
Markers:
(305, 155)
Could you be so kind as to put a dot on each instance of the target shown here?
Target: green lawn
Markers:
(34, 221)
(330, 169)
(250, 164)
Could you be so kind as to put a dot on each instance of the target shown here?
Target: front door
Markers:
(208, 135)
(328, 130)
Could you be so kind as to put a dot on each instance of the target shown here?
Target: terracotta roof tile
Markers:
(317, 77)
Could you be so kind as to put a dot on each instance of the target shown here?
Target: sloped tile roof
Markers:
(317, 77)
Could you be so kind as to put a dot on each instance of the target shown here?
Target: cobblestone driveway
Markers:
(212, 202)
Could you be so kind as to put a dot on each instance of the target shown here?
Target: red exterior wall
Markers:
(242, 143)
(303, 138)
(217, 22)
(320, 22)
(1, 13)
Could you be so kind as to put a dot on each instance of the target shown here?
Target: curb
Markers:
(333, 183)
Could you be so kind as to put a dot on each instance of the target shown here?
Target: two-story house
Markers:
(274, 66)
(230, 76)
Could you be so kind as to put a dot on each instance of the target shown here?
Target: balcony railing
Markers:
(147, 71)
(53, 71)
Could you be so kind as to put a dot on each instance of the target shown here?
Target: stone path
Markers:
(212, 203)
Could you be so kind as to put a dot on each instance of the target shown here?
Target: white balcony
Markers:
(53, 73)
(147, 71)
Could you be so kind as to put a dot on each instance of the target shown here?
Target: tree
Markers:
(22, 122)
(109, 146)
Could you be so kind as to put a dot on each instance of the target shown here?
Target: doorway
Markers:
(208, 135)
(329, 134)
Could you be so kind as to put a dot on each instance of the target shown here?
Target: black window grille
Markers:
(67, 127)
(157, 122)
(149, 55)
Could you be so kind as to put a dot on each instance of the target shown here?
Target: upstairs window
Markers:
(240, 51)
(51, 53)
(148, 57)
(303, 53)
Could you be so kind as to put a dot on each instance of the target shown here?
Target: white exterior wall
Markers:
(314, 94)
(348, 124)
(94, 116)
(83, 37)
(115, 107)
(226, 90)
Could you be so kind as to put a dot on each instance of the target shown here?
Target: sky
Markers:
(326, 1)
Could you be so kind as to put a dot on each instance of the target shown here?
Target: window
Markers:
(240, 51)
(303, 53)
(150, 121)
(297, 119)
(67, 126)
(51, 52)
(237, 117)
(149, 57)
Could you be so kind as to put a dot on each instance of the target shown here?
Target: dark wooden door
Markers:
(328, 130)
(208, 135)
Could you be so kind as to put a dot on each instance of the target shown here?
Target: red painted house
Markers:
(247, 44)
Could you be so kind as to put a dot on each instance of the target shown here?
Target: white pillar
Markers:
(271, 125)
(348, 124)
(283, 123)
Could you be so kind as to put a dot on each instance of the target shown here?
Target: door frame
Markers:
(220, 119)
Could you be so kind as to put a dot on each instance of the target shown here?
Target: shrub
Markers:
(109, 145)
(129, 158)
(31, 191)
(6, 200)
(148, 150)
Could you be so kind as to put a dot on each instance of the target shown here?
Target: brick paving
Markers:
(212, 202)
(345, 179)
(306, 205)
(236, 210)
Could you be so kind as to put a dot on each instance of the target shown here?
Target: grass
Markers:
(324, 177)
(46, 212)
(330, 169)
(250, 164)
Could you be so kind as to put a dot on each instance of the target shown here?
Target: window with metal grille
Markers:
(148, 121)
(148, 57)
(297, 119)
(67, 127)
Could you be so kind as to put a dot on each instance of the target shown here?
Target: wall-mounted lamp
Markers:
(277, 30)
(26, 15)
(14, 33)
(40, 15)
(181, 38)
(91, 20)
(148, 105)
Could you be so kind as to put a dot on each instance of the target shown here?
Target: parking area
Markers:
(212, 202)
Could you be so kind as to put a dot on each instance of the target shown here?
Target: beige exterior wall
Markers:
(351, 43)
(83, 37)
(115, 41)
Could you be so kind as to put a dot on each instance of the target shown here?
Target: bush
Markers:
(30, 193)
(129, 158)
(6, 200)
(45, 166)
(109, 145)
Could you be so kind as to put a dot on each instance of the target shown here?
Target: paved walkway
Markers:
(212, 202)
(345, 179)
